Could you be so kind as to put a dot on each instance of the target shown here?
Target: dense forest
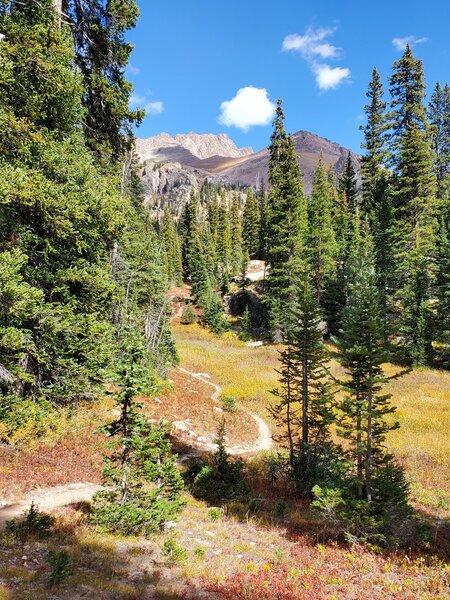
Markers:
(358, 272)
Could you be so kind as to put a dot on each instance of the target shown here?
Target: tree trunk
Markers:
(369, 447)
(57, 5)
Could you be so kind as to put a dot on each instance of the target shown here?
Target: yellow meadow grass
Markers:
(422, 398)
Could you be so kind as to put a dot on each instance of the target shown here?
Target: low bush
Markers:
(61, 566)
(229, 403)
(188, 315)
(222, 480)
(172, 551)
(34, 524)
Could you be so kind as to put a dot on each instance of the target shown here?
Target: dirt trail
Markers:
(56, 497)
(264, 441)
(48, 499)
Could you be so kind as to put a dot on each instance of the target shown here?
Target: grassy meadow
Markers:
(422, 398)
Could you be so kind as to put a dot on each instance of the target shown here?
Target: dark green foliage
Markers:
(222, 480)
(322, 244)
(61, 566)
(246, 325)
(287, 220)
(188, 316)
(172, 248)
(213, 315)
(35, 524)
(60, 217)
(102, 53)
(235, 237)
(348, 185)
(172, 551)
(439, 117)
(362, 351)
(306, 397)
(143, 482)
(251, 225)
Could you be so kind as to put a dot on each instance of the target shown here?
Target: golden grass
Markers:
(422, 398)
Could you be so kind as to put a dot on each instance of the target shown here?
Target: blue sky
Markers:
(192, 57)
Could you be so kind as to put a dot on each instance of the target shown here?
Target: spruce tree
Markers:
(306, 399)
(376, 203)
(60, 213)
(348, 185)
(415, 210)
(172, 248)
(322, 244)
(235, 236)
(251, 225)
(223, 243)
(439, 117)
(263, 221)
(287, 219)
(361, 352)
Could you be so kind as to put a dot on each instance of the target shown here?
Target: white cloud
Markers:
(329, 78)
(313, 45)
(154, 108)
(251, 106)
(401, 43)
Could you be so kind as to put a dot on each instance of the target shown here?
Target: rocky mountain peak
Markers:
(201, 146)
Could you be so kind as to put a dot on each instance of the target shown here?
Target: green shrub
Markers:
(34, 524)
(214, 513)
(172, 551)
(222, 480)
(199, 552)
(188, 315)
(229, 403)
(61, 566)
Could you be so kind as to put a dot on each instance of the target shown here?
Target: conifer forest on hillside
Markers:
(240, 394)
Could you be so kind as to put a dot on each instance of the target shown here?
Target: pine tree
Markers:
(442, 314)
(415, 226)
(407, 88)
(251, 225)
(361, 352)
(102, 53)
(322, 244)
(172, 248)
(235, 236)
(263, 221)
(439, 117)
(306, 399)
(287, 216)
(376, 204)
(223, 243)
(144, 483)
(348, 185)
(59, 211)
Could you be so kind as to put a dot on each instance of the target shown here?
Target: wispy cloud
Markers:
(313, 43)
(132, 70)
(250, 106)
(313, 46)
(154, 108)
(400, 43)
(151, 107)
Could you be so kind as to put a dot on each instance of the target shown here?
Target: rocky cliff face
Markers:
(173, 166)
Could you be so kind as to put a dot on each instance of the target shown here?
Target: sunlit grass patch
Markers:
(422, 398)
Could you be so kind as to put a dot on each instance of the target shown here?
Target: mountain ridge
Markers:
(174, 165)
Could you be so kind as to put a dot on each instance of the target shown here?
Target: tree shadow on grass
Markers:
(102, 566)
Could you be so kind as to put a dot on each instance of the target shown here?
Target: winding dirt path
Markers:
(48, 499)
(264, 441)
(71, 493)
